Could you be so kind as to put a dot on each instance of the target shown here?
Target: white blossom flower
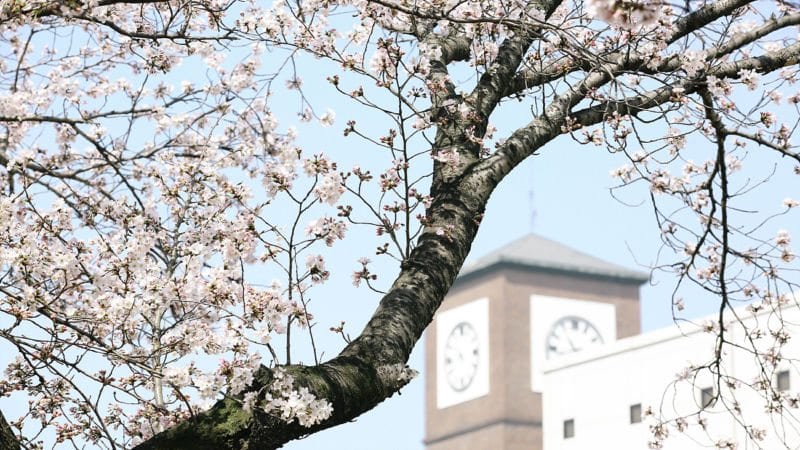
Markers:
(249, 401)
(693, 62)
(627, 14)
(749, 78)
(330, 188)
(327, 119)
(294, 83)
(783, 238)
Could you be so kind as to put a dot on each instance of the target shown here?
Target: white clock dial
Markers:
(571, 334)
(461, 356)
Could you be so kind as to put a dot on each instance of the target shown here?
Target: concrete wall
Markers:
(596, 389)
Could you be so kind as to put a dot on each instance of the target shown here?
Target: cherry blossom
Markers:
(173, 191)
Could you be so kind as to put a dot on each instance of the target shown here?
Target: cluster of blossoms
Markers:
(626, 13)
(693, 62)
(782, 240)
(128, 227)
(364, 273)
(136, 210)
(328, 229)
(287, 401)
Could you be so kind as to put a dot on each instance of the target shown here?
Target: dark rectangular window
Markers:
(782, 381)
(569, 428)
(707, 397)
(636, 413)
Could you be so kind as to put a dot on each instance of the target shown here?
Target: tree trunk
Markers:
(8, 440)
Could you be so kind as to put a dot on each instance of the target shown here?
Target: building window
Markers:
(569, 428)
(782, 380)
(707, 397)
(636, 413)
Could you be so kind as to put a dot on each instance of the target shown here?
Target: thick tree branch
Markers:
(632, 105)
(8, 440)
(368, 370)
(544, 128)
(736, 42)
(493, 84)
(371, 368)
(455, 47)
(700, 18)
(352, 381)
(530, 78)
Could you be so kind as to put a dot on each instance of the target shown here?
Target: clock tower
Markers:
(507, 315)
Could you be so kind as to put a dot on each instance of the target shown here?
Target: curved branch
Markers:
(8, 440)
(766, 63)
(493, 84)
(367, 371)
(681, 28)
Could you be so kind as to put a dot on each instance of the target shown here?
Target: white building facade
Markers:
(538, 346)
(617, 395)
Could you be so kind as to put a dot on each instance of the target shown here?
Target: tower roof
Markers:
(537, 253)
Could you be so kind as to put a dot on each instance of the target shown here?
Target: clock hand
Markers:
(571, 345)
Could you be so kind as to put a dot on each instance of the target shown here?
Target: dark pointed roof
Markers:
(535, 252)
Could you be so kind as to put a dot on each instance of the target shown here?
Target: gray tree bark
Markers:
(8, 440)
(355, 381)
(366, 372)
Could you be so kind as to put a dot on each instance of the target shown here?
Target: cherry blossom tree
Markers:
(148, 164)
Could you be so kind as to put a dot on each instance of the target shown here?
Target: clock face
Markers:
(461, 356)
(571, 334)
(462, 353)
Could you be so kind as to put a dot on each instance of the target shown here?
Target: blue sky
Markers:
(562, 194)
(573, 205)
